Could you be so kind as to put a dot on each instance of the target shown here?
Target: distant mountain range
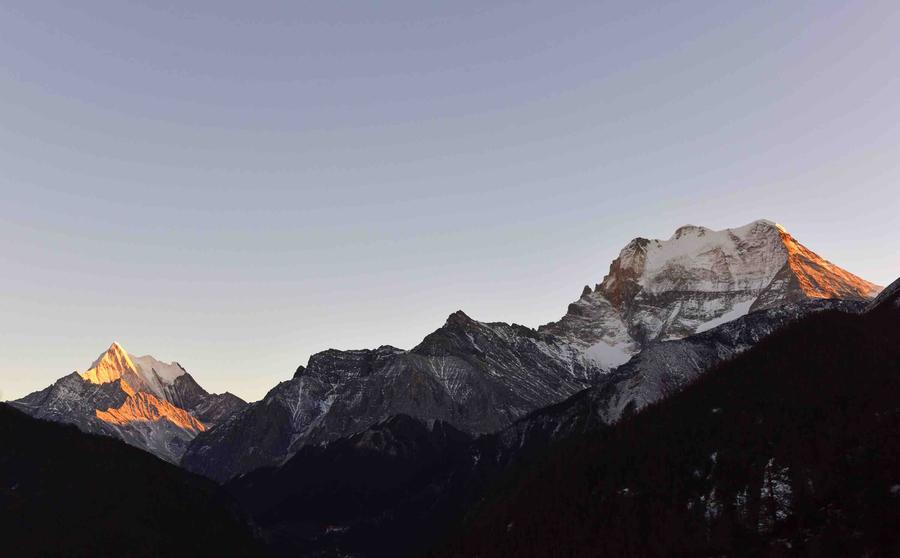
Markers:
(361, 448)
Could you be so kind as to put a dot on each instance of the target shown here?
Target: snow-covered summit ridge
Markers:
(144, 373)
(699, 259)
(697, 279)
(110, 366)
(165, 371)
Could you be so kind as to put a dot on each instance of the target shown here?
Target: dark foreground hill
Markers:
(791, 449)
(386, 491)
(67, 493)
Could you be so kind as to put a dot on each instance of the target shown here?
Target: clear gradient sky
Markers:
(237, 185)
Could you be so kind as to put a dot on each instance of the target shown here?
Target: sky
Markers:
(237, 185)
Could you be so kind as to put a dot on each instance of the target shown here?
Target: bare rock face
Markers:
(659, 290)
(476, 376)
(149, 404)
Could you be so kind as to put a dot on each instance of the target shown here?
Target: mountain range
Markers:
(481, 377)
(359, 447)
(366, 494)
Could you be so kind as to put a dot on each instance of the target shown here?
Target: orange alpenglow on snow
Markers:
(110, 366)
(146, 407)
(820, 278)
(141, 405)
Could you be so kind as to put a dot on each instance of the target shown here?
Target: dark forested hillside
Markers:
(792, 448)
(382, 492)
(67, 493)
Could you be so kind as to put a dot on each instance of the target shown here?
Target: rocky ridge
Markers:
(476, 376)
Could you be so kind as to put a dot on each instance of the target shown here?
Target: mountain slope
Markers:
(67, 493)
(149, 404)
(792, 448)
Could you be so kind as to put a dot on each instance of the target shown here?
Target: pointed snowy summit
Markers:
(145, 402)
(110, 366)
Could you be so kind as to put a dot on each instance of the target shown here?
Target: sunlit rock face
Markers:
(819, 278)
(111, 366)
(659, 290)
(145, 407)
(147, 403)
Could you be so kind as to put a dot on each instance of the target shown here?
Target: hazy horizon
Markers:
(236, 187)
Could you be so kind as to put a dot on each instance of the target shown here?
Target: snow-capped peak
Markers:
(137, 399)
(697, 279)
(701, 259)
(144, 373)
(110, 366)
(746, 258)
(166, 372)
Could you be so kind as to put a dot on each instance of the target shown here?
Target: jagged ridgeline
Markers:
(481, 422)
(481, 377)
(478, 377)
